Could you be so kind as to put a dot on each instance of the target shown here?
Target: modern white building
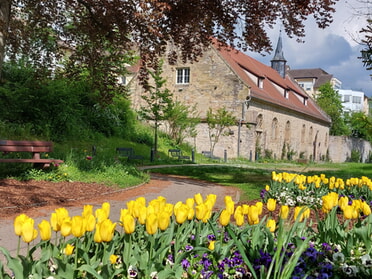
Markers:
(353, 101)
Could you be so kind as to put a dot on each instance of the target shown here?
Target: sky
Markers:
(334, 49)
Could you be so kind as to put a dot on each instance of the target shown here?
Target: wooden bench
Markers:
(177, 154)
(129, 153)
(33, 147)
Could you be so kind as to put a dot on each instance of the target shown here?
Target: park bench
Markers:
(128, 152)
(209, 154)
(177, 154)
(23, 146)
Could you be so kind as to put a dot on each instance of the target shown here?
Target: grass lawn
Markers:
(251, 178)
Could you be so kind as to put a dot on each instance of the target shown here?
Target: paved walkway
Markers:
(173, 188)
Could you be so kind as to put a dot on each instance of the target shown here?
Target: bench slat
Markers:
(43, 161)
(25, 148)
(26, 143)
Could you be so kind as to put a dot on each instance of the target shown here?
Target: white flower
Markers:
(350, 270)
(132, 272)
(154, 275)
(338, 257)
(366, 260)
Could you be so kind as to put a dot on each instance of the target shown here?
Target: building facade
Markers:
(274, 116)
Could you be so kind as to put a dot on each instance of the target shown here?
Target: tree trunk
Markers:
(4, 24)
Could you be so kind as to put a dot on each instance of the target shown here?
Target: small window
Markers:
(183, 75)
(346, 98)
(357, 100)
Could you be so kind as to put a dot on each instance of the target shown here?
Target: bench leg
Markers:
(41, 165)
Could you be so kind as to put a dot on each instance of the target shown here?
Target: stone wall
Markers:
(340, 148)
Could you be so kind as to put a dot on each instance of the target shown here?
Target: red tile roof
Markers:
(241, 63)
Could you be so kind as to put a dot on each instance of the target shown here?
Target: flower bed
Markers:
(315, 227)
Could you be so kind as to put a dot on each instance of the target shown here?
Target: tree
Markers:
(329, 100)
(360, 125)
(158, 100)
(182, 121)
(366, 53)
(217, 123)
(45, 29)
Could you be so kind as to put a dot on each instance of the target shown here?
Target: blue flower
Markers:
(185, 264)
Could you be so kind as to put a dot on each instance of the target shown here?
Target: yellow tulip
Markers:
(87, 210)
(78, 226)
(300, 212)
(211, 245)
(259, 206)
(271, 204)
(61, 215)
(28, 231)
(54, 222)
(239, 219)
(225, 217)
(190, 202)
(107, 229)
(69, 249)
(163, 220)
(106, 207)
(253, 215)
(113, 259)
(101, 215)
(141, 201)
(131, 207)
(245, 209)
(284, 211)
(128, 223)
(90, 223)
(366, 209)
(97, 234)
(271, 224)
(18, 222)
(201, 211)
(45, 230)
(66, 227)
(198, 198)
(168, 207)
(343, 201)
(181, 213)
(348, 211)
(230, 206)
(191, 213)
(207, 215)
(151, 223)
(142, 215)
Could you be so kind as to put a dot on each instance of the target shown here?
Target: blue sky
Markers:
(334, 49)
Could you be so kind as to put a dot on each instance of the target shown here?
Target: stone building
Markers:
(274, 116)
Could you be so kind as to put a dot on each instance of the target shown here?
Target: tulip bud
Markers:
(107, 229)
(78, 226)
(163, 220)
(181, 213)
(90, 223)
(28, 231)
(88, 210)
(201, 211)
(271, 204)
(253, 215)
(151, 224)
(18, 222)
(198, 198)
(69, 249)
(129, 224)
(66, 227)
(271, 224)
(225, 217)
(284, 211)
(45, 230)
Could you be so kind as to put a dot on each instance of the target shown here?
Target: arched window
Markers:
(311, 135)
(287, 134)
(303, 131)
(259, 122)
(274, 129)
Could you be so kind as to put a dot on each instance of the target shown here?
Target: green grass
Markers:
(251, 177)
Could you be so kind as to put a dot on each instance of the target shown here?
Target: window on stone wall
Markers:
(311, 135)
(259, 121)
(303, 131)
(287, 134)
(183, 76)
(274, 129)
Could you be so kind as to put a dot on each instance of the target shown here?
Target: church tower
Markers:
(278, 63)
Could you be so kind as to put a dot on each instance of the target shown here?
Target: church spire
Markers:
(278, 63)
